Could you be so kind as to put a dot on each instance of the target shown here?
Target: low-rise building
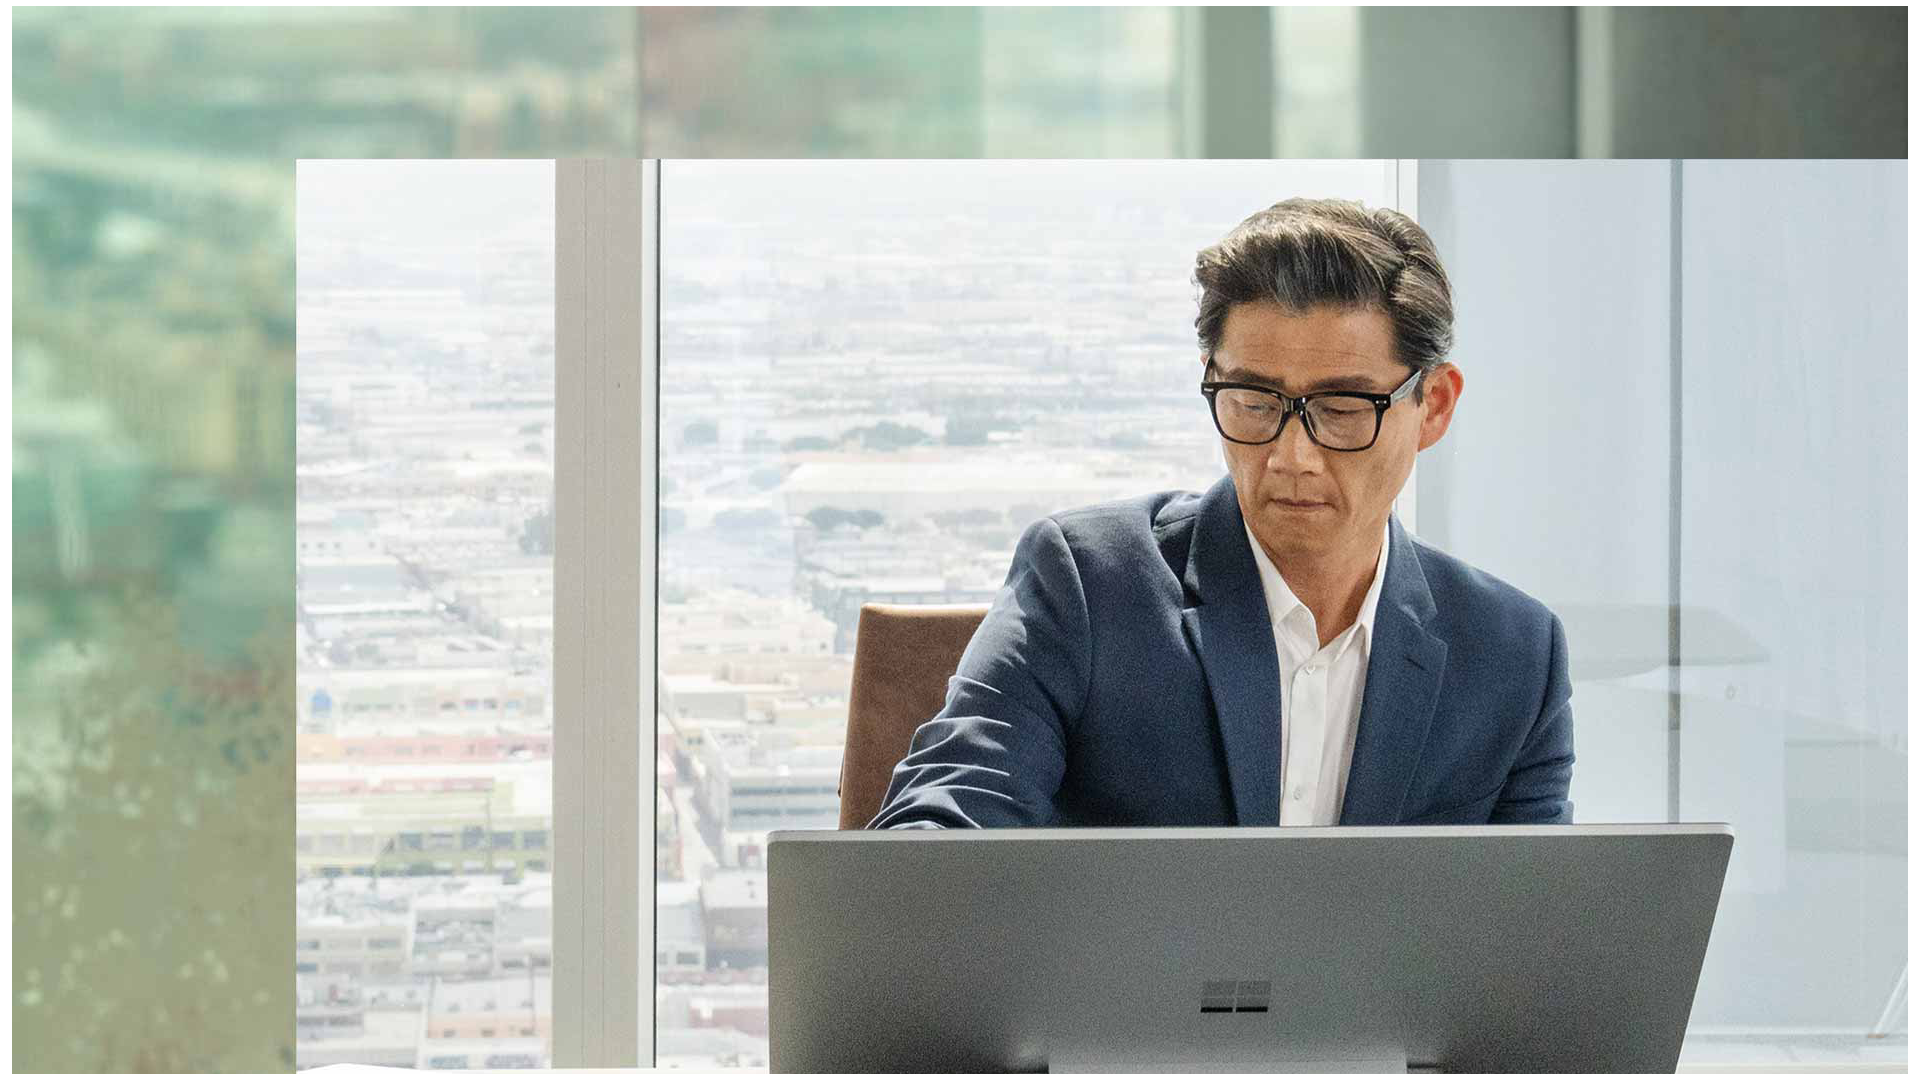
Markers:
(713, 1008)
(474, 818)
(733, 911)
(760, 779)
(331, 696)
(381, 1037)
(679, 930)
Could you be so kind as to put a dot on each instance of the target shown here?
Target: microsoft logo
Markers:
(1232, 996)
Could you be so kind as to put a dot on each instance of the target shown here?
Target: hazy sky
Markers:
(428, 203)
(421, 203)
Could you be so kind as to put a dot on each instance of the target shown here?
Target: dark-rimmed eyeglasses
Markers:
(1345, 420)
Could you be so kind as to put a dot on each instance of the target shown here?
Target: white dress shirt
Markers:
(1320, 692)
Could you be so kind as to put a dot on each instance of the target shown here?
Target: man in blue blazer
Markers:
(1277, 649)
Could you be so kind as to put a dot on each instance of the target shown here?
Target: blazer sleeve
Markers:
(995, 753)
(1536, 788)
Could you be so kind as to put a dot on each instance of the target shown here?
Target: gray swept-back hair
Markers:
(1306, 253)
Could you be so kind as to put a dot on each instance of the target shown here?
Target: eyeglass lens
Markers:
(1338, 423)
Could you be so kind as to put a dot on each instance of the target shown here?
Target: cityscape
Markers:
(863, 400)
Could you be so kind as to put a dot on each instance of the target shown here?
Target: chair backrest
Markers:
(902, 658)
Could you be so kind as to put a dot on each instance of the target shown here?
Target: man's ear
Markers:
(1439, 393)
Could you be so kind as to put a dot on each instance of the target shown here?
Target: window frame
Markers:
(606, 349)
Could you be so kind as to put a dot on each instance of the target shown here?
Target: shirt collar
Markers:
(1281, 601)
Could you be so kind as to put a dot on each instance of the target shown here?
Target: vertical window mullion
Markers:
(598, 615)
(1406, 199)
(646, 732)
(570, 999)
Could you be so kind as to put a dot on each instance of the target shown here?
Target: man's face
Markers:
(1301, 501)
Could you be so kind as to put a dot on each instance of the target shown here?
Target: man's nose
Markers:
(1294, 450)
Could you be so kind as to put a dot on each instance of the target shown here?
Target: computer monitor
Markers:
(1478, 948)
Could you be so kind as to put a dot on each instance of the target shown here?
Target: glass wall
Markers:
(1685, 428)
(1793, 374)
(1560, 273)
(873, 377)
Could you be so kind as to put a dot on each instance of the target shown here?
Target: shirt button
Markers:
(1296, 794)
(1311, 669)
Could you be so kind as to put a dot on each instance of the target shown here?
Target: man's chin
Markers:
(1291, 530)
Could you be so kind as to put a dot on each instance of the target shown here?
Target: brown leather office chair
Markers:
(902, 658)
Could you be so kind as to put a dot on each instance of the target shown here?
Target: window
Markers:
(851, 380)
(426, 331)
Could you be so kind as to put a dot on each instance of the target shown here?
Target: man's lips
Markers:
(1298, 504)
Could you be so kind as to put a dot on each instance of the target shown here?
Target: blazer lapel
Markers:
(1404, 667)
(1232, 635)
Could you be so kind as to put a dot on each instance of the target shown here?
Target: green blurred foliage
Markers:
(153, 478)
(152, 822)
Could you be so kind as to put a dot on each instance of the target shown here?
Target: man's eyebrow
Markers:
(1334, 382)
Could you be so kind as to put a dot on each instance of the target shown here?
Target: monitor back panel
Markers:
(1483, 949)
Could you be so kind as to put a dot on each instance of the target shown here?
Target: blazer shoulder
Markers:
(1123, 532)
(1135, 518)
(1465, 594)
